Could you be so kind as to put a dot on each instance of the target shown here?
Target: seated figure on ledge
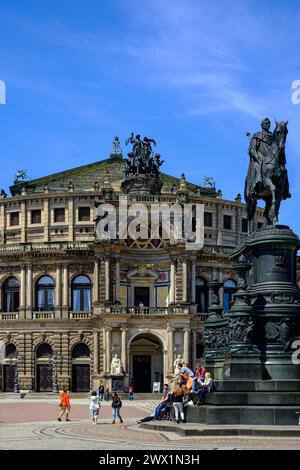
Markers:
(116, 365)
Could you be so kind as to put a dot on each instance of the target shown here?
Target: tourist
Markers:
(101, 392)
(165, 401)
(178, 394)
(206, 387)
(130, 392)
(185, 370)
(64, 404)
(94, 407)
(200, 372)
(116, 406)
(107, 395)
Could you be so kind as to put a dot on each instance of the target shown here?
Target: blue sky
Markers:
(195, 75)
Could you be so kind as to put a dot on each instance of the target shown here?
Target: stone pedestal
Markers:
(142, 184)
(260, 382)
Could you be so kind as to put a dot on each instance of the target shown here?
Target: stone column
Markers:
(29, 287)
(96, 281)
(65, 292)
(186, 344)
(193, 281)
(23, 288)
(108, 348)
(23, 222)
(107, 266)
(71, 219)
(96, 353)
(117, 291)
(124, 348)
(194, 348)
(170, 349)
(172, 281)
(58, 289)
(46, 220)
(184, 280)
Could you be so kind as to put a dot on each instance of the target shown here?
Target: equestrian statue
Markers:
(267, 176)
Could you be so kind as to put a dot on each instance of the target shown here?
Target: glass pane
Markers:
(45, 281)
(50, 295)
(81, 280)
(230, 283)
(86, 299)
(226, 301)
(11, 282)
(40, 299)
(76, 300)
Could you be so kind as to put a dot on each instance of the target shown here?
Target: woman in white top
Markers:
(94, 407)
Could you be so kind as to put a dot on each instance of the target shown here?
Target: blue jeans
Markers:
(116, 414)
(158, 409)
(100, 396)
(130, 396)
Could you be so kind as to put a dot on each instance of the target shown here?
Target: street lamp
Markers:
(54, 360)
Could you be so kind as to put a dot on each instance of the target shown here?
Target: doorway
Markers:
(142, 296)
(80, 377)
(9, 378)
(142, 373)
(44, 378)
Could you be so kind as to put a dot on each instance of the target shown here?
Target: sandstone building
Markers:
(69, 302)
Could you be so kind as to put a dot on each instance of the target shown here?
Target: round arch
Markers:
(146, 360)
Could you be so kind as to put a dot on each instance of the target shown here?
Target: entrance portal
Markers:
(146, 362)
(44, 378)
(80, 377)
(9, 378)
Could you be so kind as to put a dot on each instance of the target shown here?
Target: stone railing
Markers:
(151, 311)
(80, 315)
(9, 316)
(202, 316)
(43, 315)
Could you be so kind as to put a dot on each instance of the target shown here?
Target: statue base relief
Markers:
(142, 184)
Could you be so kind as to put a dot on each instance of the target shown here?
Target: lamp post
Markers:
(54, 360)
(18, 362)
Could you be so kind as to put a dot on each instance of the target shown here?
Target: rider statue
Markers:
(267, 177)
(259, 146)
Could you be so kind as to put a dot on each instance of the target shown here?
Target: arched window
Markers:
(10, 351)
(229, 289)
(80, 350)
(201, 295)
(81, 294)
(45, 293)
(11, 289)
(44, 351)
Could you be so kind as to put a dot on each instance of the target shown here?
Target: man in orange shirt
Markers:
(64, 404)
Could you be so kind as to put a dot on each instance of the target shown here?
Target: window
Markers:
(259, 224)
(44, 351)
(10, 351)
(201, 295)
(227, 222)
(84, 214)
(81, 294)
(245, 225)
(11, 295)
(45, 293)
(36, 216)
(208, 219)
(229, 289)
(59, 214)
(14, 218)
(80, 350)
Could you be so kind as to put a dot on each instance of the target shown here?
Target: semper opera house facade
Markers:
(70, 302)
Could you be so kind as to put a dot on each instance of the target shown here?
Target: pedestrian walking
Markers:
(107, 395)
(116, 406)
(64, 404)
(94, 407)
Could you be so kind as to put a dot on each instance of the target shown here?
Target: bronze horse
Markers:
(273, 185)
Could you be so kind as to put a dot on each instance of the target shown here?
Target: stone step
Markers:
(258, 385)
(253, 415)
(253, 398)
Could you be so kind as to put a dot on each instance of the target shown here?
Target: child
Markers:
(94, 407)
(130, 392)
(107, 395)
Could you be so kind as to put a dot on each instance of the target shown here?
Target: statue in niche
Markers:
(116, 365)
(178, 360)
